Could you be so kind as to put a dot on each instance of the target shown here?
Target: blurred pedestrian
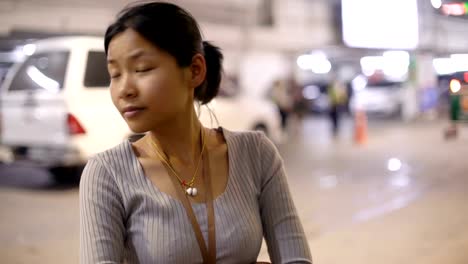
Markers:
(282, 97)
(337, 96)
(299, 108)
(452, 131)
(175, 195)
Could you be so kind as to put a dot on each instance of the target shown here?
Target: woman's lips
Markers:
(131, 112)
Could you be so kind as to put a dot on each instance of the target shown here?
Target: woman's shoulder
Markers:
(246, 137)
(253, 152)
(254, 140)
(113, 158)
(119, 151)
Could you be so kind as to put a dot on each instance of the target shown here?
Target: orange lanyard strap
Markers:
(209, 256)
(210, 210)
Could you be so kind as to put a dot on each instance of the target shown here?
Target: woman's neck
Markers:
(179, 139)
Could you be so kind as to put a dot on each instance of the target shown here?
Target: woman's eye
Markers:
(114, 76)
(143, 70)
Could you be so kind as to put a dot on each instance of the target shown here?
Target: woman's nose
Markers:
(128, 88)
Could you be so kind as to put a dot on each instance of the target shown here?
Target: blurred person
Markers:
(281, 96)
(182, 193)
(452, 131)
(337, 96)
(299, 108)
(349, 96)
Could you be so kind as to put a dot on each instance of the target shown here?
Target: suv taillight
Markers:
(74, 126)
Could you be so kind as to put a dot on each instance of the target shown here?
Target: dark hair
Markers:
(175, 31)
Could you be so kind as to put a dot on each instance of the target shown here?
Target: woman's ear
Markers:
(197, 70)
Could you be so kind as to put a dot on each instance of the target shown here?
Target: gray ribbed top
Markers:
(124, 217)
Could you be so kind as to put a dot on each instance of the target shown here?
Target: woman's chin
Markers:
(137, 129)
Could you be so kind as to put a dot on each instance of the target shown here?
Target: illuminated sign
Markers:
(455, 9)
(382, 24)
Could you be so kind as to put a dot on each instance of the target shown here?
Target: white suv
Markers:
(57, 110)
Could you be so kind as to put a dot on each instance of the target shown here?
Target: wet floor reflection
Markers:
(347, 183)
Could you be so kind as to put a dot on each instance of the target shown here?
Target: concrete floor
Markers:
(354, 209)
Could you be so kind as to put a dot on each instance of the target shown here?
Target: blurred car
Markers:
(3, 71)
(8, 59)
(57, 109)
(236, 110)
(378, 97)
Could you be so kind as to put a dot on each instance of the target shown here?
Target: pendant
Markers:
(192, 191)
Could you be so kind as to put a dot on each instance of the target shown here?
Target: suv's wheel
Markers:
(66, 175)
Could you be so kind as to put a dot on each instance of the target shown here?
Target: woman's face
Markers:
(147, 86)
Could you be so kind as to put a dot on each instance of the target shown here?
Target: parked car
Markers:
(56, 105)
(236, 110)
(379, 97)
(8, 58)
(3, 70)
(57, 109)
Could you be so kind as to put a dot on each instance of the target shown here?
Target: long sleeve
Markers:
(102, 228)
(283, 230)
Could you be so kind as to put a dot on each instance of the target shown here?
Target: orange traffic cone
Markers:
(360, 127)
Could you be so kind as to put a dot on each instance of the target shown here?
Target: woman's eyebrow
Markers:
(134, 55)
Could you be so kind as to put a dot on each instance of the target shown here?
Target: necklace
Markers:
(188, 186)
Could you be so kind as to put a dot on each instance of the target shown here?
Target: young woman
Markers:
(183, 193)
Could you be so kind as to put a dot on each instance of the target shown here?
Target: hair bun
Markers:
(214, 59)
